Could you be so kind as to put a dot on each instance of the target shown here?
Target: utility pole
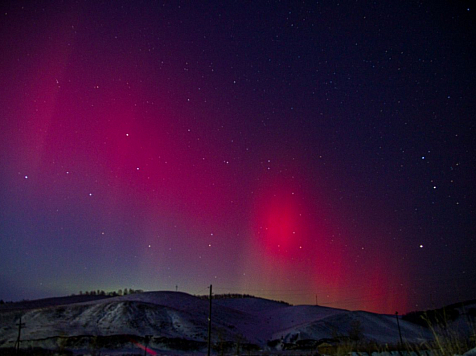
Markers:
(316, 299)
(399, 331)
(17, 343)
(210, 323)
(147, 339)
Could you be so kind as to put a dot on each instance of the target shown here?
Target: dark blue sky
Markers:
(290, 150)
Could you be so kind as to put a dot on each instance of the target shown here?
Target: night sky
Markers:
(300, 151)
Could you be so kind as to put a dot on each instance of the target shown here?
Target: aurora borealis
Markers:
(298, 151)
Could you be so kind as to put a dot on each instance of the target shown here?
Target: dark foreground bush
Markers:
(176, 343)
(33, 351)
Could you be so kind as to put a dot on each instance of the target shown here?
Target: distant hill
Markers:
(179, 321)
(445, 315)
(48, 302)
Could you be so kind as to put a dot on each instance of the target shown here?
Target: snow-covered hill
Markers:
(179, 321)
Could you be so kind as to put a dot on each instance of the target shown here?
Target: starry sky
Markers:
(305, 151)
